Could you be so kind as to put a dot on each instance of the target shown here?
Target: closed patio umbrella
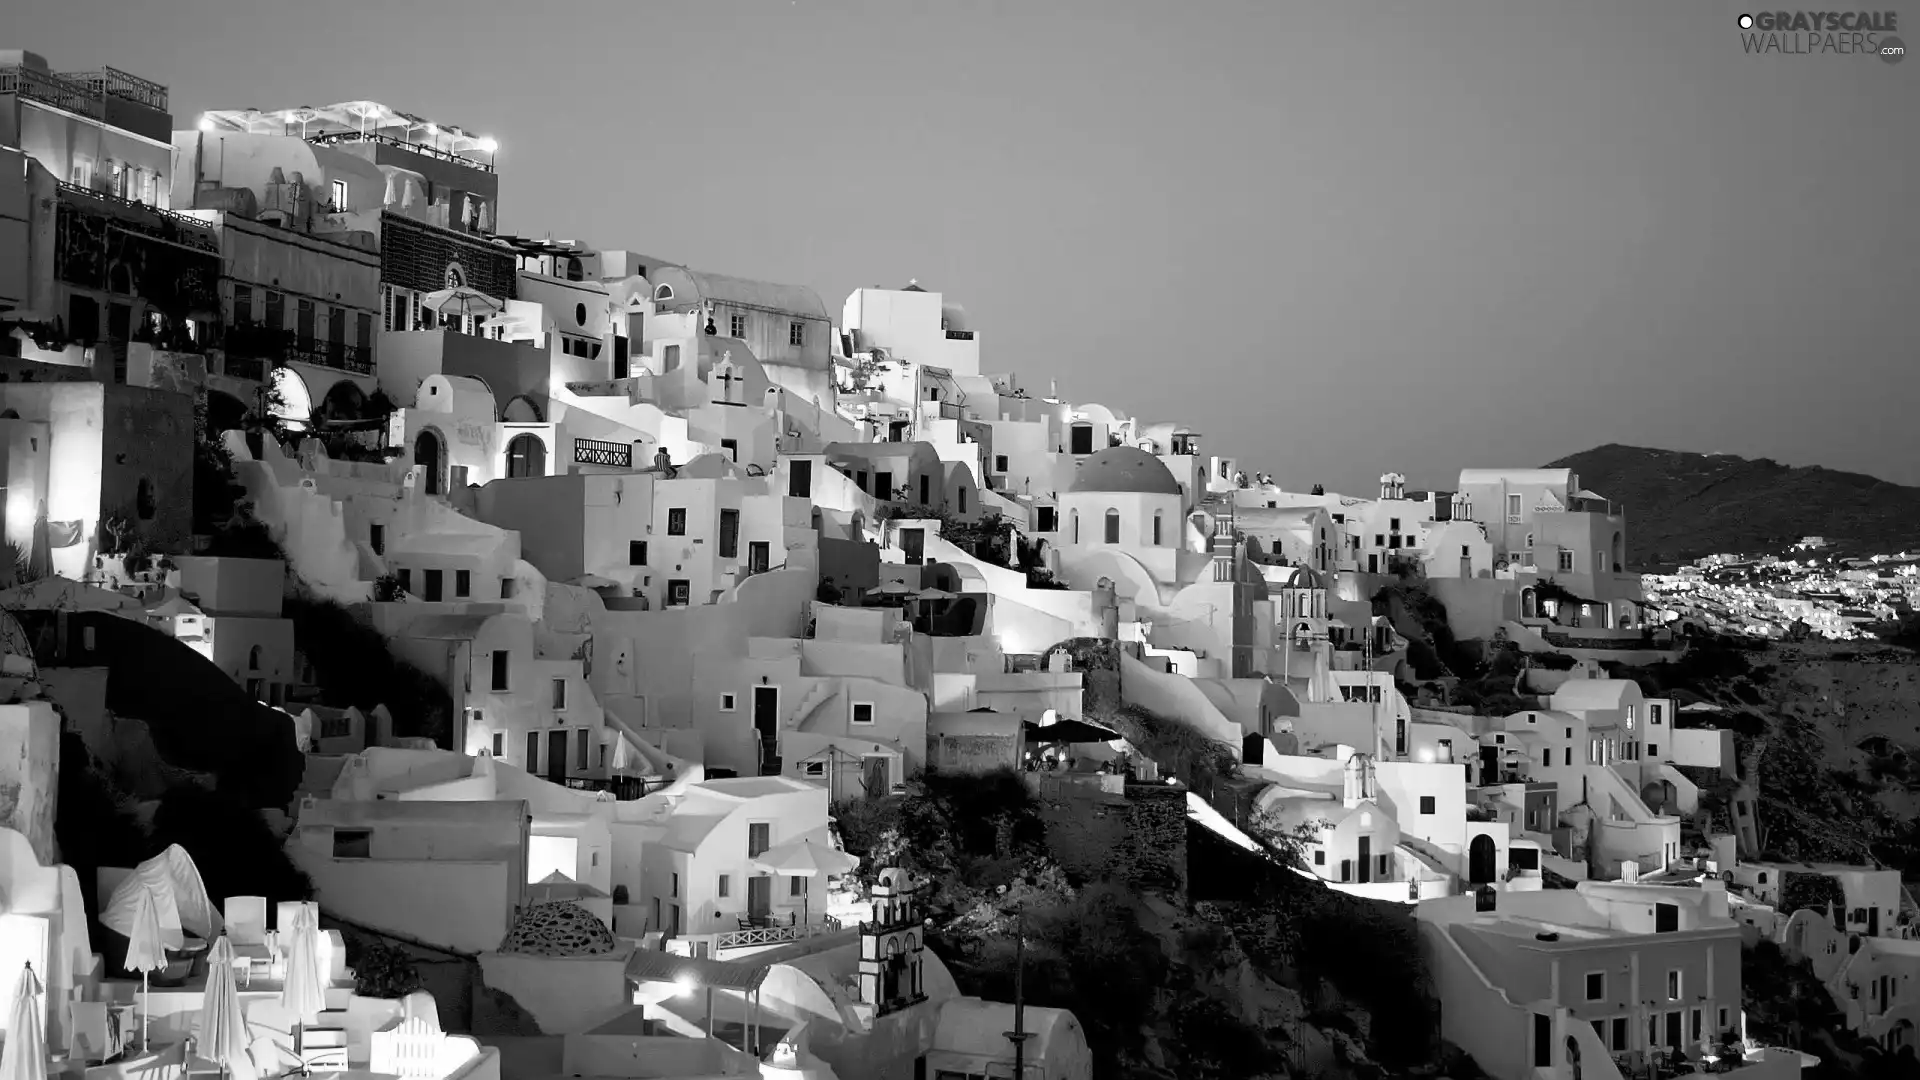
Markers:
(305, 992)
(223, 1028)
(25, 1055)
(146, 949)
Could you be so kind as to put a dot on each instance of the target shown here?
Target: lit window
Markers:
(340, 196)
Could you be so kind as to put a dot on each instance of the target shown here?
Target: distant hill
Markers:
(1682, 506)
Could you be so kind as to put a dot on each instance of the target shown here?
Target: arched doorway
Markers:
(1481, 854)
(343, 401)
(427, 455)
(1529, 604)
(526, 456)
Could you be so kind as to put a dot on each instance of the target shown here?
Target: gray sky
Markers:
(1338, 238)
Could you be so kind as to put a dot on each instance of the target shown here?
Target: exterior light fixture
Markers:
(206, 123)
(687, 984)
(489, 146)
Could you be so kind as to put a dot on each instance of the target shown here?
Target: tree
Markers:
(235, 851)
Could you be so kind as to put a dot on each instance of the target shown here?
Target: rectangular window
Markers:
(737, 325)
(926, 493)
(813, 768)
(797, 334)
(1045, 519)
(1653, 714)
(636, 553)
(1619, 1034)
(502, 663)
(1596, 985)
(1653, 750)
(506, 588)
(863, 712)
(1673, 986)
(580, 741)
(559, 694)
(499, 744)
(1566, 559)
(1156, 529)
(679, 592)
(731, 448)
(759, 838)
(533, 752)
(677, 521)
(433, 586)
(670, 358)
(1513, 508)
(759, 556)
(1426, 804)
(340, 196)
(1112, 527)
(463, 583)
(405, 577)
(352, 843)
(242, 303)
(725, 887)
(1319, 857)
(673, 885)
(882, 485)
(729, 534)
(726, 702)
(305, 316)
(796, 884)
(800, 479)
(1000, 463)
(377, 538)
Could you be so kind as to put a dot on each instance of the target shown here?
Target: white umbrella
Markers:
(462, 300)
(25, 1055)
(223, 1029)
(146, 949)
(805, 858)
(305, 991)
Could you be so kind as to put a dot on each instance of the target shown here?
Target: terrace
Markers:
(361, 122)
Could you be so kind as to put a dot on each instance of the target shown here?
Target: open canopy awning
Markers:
(1069, 731)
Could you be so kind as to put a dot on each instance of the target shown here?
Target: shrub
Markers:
(354, 666)
(384, 971)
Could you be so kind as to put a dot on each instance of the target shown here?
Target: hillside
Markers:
(1681, 506)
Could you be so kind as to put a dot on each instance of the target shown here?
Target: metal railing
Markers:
(112, 82)
(251, 341)
(52, 90)
(757, 936)
(959, 335)
(624, 788)
(333, 137)
(155, 222)
(596, 452)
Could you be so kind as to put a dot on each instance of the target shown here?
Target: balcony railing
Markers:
(251, 341)
(753, 937)
(596, 452)
(152, 221)
(624, 788)
(333, 137)
(49, 89)
(112, 82)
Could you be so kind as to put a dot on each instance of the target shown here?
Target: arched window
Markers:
(1113, 526)
(1156, 528)
(526, 456)
(253, 659)
(1074, 515)
(663, 292)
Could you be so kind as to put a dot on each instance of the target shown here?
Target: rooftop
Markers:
(360, 121)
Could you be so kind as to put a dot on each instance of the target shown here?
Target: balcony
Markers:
(54, 90)
(623, 788)
(772, 932)
(597, 452)
(267, 346)
(111, 82)
(138, 217)
(334, 138)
